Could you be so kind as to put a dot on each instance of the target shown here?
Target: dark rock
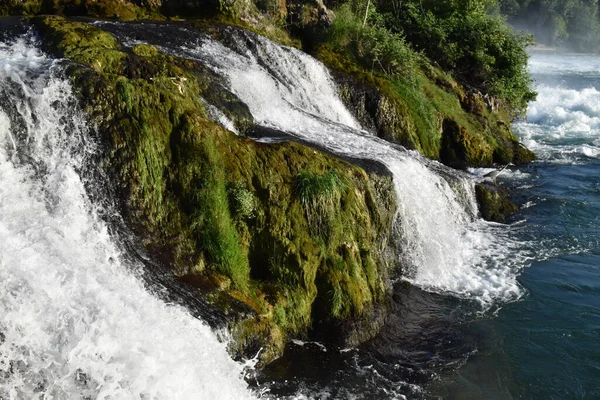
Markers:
(309, 20)
(494, 204)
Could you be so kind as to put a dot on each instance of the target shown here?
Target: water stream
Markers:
(76, 321)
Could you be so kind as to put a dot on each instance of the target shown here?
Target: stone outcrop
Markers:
(296, 234)
(285, 239)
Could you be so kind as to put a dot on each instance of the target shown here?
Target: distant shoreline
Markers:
(541, 48)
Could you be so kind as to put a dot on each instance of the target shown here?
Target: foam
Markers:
(563, 124)
(75, 320)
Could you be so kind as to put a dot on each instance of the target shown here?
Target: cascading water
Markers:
(445, 247)
(75, 320)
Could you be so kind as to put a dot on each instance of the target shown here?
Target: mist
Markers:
(567, 25)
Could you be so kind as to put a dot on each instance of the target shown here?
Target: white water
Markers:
(445, 248)
(75, 321)
(563, 124)
(557, 64)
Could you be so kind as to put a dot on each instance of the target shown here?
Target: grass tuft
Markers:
(320, 195)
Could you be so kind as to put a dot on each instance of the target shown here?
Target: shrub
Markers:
(461, 36)
(241, 201)
(371, 43)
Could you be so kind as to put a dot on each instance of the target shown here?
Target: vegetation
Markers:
(241, 200)
(372, 44)
(320, 195)
(415, 103)
(289, 234)
(233, 216)
(463, 37)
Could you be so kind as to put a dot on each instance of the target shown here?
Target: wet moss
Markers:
(226, 212)
(494, 203)
(145, 50)
(21, 7)
(82, 42)
(320, 195)
(430, 113)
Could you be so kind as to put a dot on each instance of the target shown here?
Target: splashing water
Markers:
(75, 320)
(445, 248)
(562, 124)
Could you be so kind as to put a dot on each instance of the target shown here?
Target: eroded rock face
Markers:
(461, 148)
(480, 140)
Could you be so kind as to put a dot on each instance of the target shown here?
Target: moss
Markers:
(224, 211)
(461, 148)
(82, 42)
(21, 7)
(211, 219)
(430, 113)
(494, 204)
(320, 195)
(120, 9)
(145, 50)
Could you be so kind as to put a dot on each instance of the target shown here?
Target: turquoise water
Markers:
(547, 344)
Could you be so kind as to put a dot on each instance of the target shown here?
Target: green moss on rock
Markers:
(494, 204)
(430, 113)
(226, 212)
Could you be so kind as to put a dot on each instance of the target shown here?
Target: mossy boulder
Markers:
(494, 204)
(461, 147)
(293, 233)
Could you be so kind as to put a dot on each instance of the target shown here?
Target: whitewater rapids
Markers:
(75, 319)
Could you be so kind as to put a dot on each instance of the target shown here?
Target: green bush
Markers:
(371, 43)
(463, 37)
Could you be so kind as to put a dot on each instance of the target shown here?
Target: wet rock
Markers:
(461, 148)
(494, 204)
(175, 170)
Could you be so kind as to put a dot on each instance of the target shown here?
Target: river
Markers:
(547, 344)
(484, 310)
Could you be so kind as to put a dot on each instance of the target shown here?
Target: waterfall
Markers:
(445, 248)
(75, 319)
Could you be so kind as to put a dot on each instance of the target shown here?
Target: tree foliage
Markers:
(468, 38)
(363, 33)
